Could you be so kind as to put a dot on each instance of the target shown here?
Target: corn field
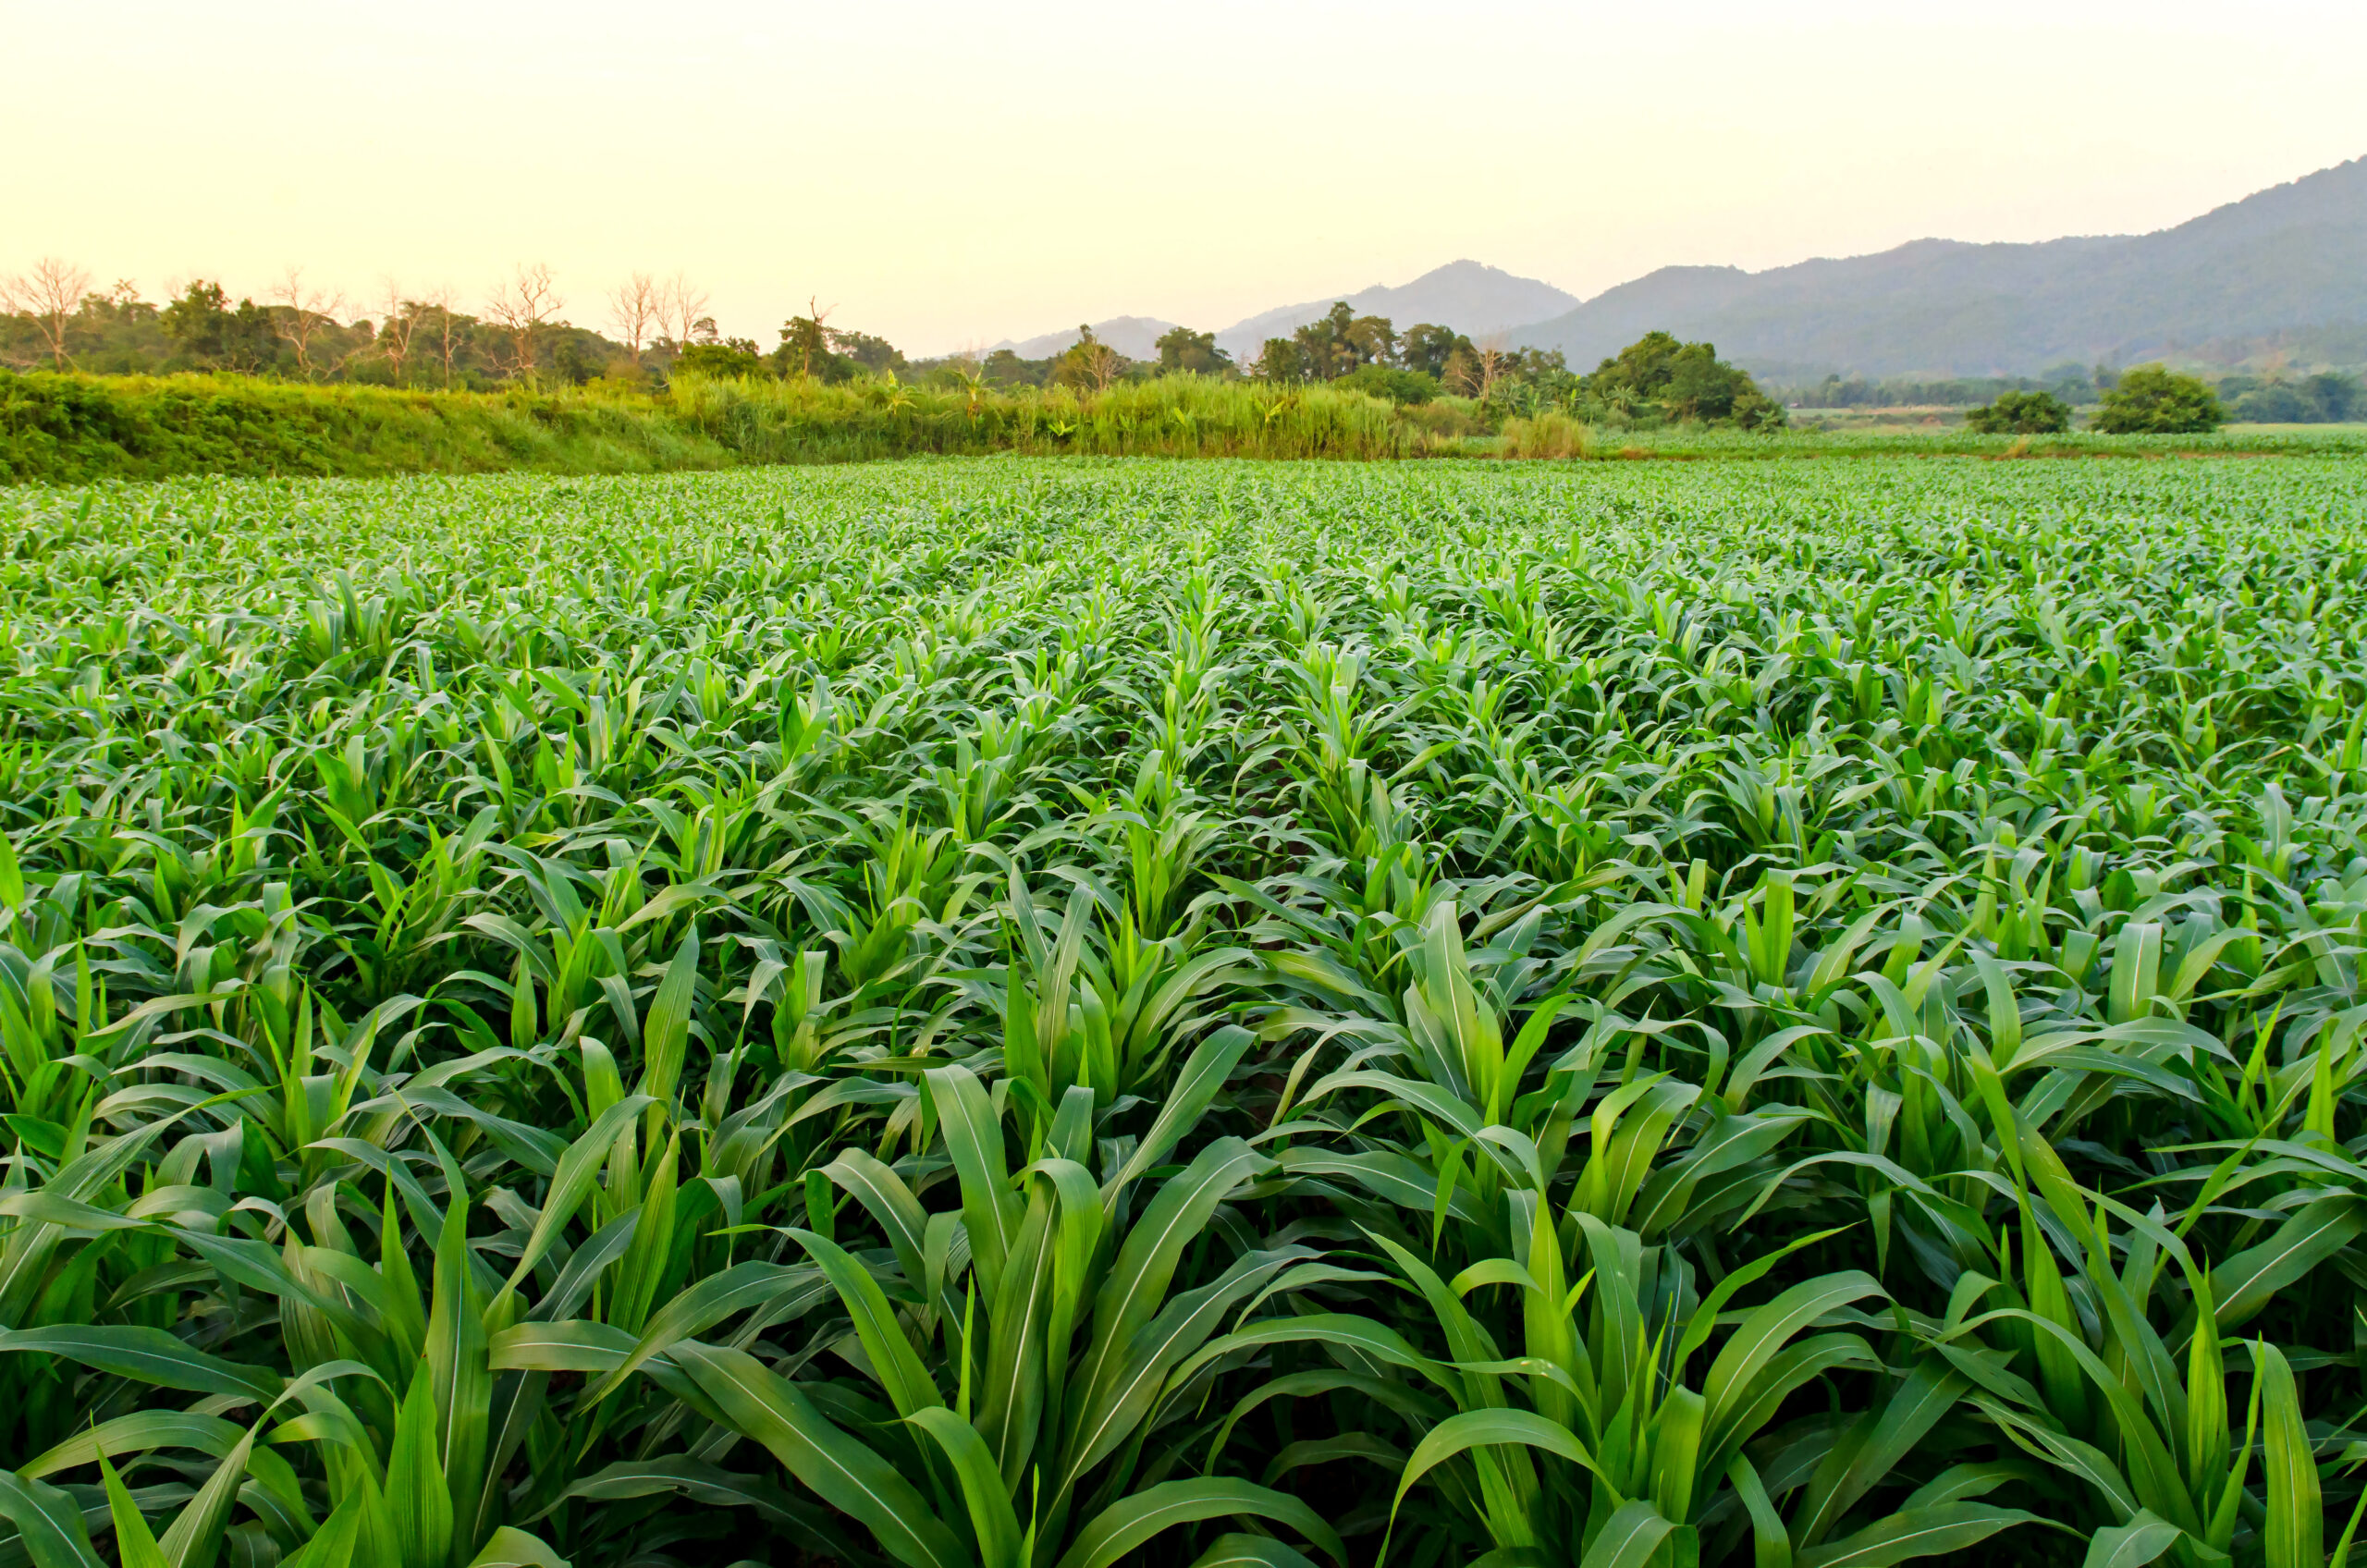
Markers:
(998, 1014)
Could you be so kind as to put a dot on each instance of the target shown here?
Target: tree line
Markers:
(655, 328)
(53, 317)
(1658, 379)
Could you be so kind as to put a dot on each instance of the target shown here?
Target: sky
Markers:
(951, 176)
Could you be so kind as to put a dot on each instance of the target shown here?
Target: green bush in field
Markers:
(2021, 414)
(1012, 1014)
(2153, 401)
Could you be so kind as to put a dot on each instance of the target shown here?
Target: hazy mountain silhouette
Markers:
(2286, 259)
(1135, 337)
(1466, 294)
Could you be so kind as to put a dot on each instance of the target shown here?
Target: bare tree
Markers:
(636, 310)
(1097, 365)
(51, 293)
(308, 310)
(524, 308)
(450, 328)
(1476, 373)
(808, 337)
(681, 304)
(398, 327)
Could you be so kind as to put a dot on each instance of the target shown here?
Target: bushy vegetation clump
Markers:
(2153, 401)
(2021, 413)
(1011, 1015)
(1658, 378)
(2325, 397)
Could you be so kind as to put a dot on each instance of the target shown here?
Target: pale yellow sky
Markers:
(949, 175)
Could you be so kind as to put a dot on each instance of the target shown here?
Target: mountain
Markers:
(1469, 297)
(1472, 298)
(2283, 262)
(1135, 337)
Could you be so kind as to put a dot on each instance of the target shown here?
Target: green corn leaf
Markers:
(891, 1354)
(995, 1524)
(826, 1460)
(459, 1393)
(1917, 1532)
(1239, 1550)
(146, 1356)
(665, 1033)
(1770, 1541)
(2134, 1544)
(1763, 1334)
(1136, 1284)
(1630, 1537)
(418, 1499)
(2295, 1536)
(1888, 1438)
(135, 1543)
(579, 1170)
(1197, 1084)
(1117, 1531)
(49, 1524)
(974, 1139)
(138, 1433)
(512, 1547)
(2249, 1279)
(1475, 1429)
(715, 1488)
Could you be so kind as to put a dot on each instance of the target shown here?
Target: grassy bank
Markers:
(71, 429)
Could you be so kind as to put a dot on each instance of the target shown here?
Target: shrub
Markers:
(1659, 376)
(2021, 413)
(2156, 400)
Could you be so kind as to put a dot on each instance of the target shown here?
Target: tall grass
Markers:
(1548, 435)
(763, 421)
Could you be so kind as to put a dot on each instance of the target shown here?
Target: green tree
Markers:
(2021, 413)
(1005, 368)
(2156, 400)
(1283, 359)
(1181, 350)
(1428, 348)
(1683, 382)
(212, 335)
(875, 355)
(731, 356)
(806, 349)
(1340, 340)
(1398, 385)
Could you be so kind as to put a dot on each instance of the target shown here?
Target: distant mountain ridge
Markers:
(1135, 337)
(2286, 258)
(1467, 295)
(2287, 262)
